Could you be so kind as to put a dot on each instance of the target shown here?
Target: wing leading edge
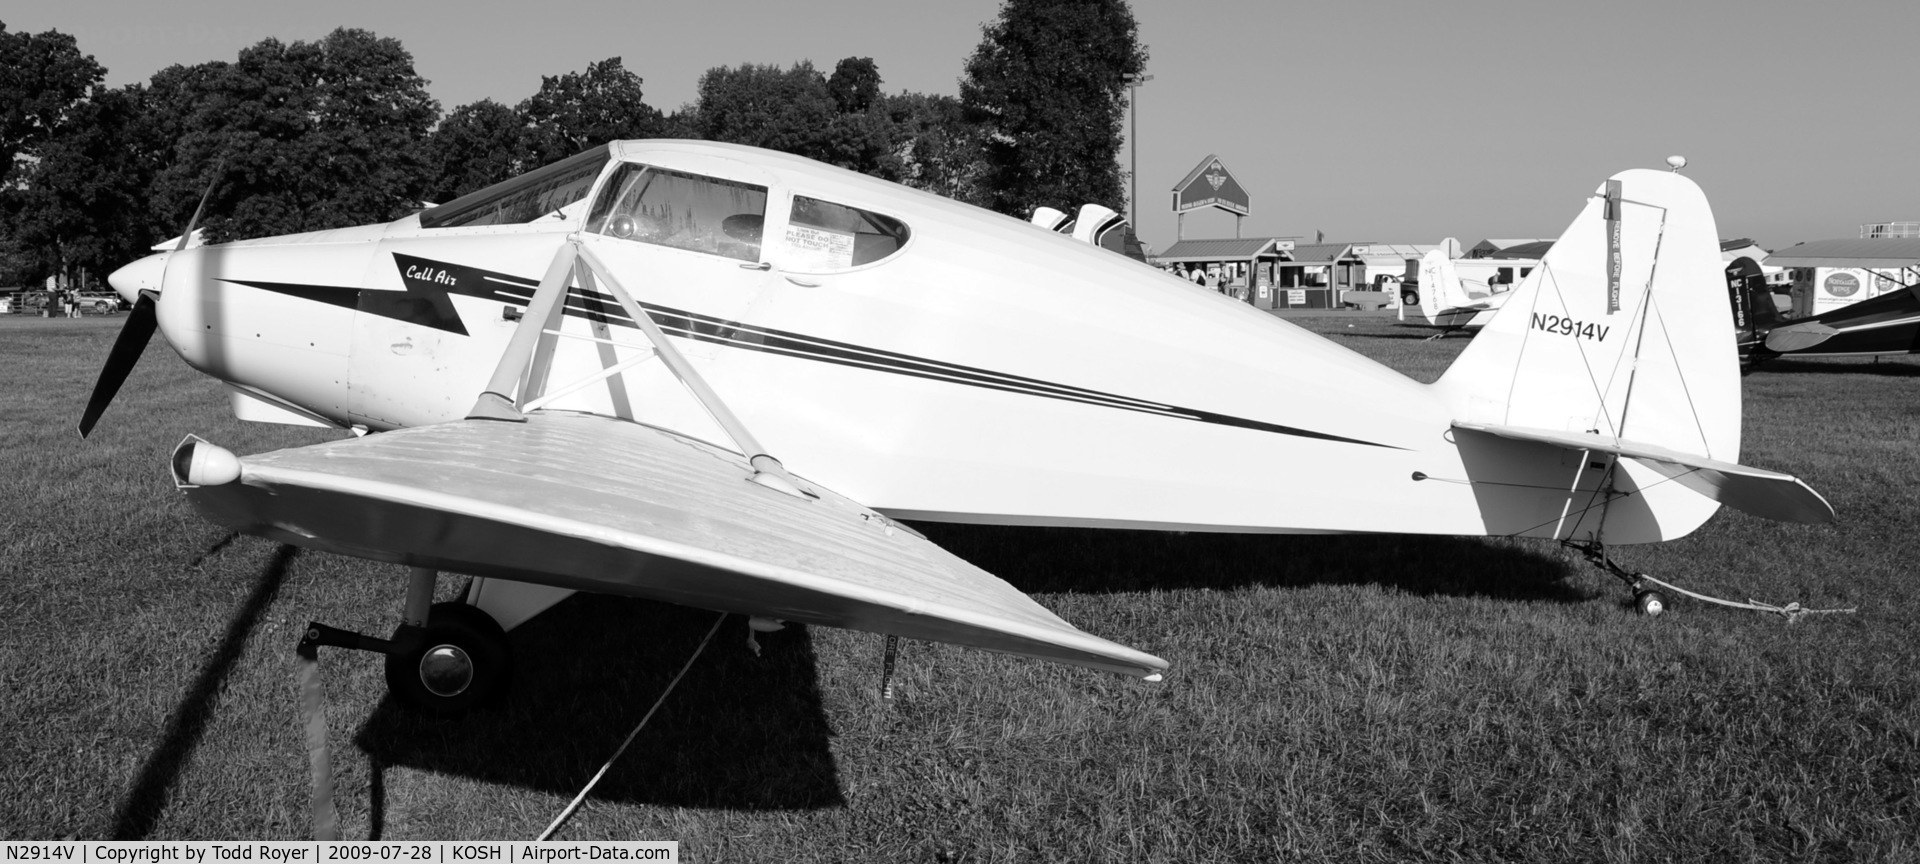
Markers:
(597, 504)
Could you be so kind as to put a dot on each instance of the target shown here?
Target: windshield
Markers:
(525, 198)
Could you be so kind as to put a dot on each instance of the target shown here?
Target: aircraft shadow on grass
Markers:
(1055, 560)
(1896, 367)
(1402, 332)
(750, 733)
(144, 802)
(738, 732)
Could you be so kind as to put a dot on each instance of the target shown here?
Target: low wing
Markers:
(597, 504)
(1763, 493)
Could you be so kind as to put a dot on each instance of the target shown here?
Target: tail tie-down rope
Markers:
(1597, 554)
(1792, 611)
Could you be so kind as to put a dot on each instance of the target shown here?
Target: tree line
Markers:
(305, 136)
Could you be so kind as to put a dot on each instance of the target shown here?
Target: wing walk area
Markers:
(599, 504)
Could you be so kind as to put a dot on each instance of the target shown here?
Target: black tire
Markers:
(471, 663)
(1409, 297)
(103, 308)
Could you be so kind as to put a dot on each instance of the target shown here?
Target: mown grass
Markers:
(1332, 698)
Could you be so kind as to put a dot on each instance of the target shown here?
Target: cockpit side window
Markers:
(684, 211)
(824, 237)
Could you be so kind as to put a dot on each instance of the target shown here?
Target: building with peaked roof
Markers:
(1317, 274)
(1243, 269)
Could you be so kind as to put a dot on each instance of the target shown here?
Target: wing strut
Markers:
(526, 363)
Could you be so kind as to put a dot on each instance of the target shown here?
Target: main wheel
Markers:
(463, 662)
(1650, 603)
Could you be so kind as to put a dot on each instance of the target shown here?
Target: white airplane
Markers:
(579, 379)
(1448, 302)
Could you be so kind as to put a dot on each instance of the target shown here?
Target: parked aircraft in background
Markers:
(1885, 325)
(579, 379)
(1445, 300)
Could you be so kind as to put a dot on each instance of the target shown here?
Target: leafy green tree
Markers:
(854, 85)
(475, 146)
(83, 205)
(42, 77)
(578, 110)
(938, 151)
(766, 106)
(1047, 87)
(839, 120)
(297, 137)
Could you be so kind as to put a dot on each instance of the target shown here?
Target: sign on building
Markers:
(1210, 184)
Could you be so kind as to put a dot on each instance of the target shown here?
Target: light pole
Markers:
(1134, 80)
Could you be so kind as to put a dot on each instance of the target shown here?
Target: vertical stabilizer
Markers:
(1623, 331)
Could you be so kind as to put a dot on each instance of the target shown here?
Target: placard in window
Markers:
(810, 248)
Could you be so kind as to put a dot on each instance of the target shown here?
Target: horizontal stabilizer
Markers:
(1797, 337)
(595, 504)
(1762, 493)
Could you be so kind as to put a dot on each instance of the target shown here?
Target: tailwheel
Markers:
(460, 661)
(1646, 600)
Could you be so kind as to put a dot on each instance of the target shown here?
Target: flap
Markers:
(598, 504)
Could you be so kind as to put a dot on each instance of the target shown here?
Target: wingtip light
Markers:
(198, 463)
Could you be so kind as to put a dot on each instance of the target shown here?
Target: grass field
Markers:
(1332, 698)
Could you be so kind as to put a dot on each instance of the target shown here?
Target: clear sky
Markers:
(1388, 122)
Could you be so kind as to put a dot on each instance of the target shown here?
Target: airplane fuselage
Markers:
(950, 364)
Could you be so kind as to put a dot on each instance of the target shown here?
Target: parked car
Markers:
(98, 302)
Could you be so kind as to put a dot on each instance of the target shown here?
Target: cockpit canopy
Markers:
(685, 210)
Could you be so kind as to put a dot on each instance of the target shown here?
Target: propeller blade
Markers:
(133, 338)
(202, 207)
(127, 348)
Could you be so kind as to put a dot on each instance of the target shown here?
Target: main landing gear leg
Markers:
(443, 659)
(1649, 601)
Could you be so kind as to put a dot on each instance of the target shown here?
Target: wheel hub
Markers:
(446, 670)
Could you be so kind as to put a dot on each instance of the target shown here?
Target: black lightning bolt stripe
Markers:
(425, 302)
(433, 280)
